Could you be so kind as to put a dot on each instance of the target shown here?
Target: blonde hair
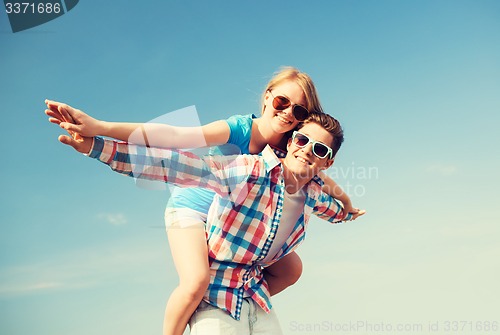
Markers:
(289, 73)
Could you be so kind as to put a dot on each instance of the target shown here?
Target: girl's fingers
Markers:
(54, 120)
(71, 127)
(54, 114)
(65, 114)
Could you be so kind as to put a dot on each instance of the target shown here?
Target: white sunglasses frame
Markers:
(313, 142)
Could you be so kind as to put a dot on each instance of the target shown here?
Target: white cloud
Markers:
(90, 267)
(20, 288)
(115, 219)
(41, 277)
(442, 169)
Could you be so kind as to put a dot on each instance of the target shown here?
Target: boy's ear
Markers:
(328, 163)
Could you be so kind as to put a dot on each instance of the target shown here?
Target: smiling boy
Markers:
(255, 195)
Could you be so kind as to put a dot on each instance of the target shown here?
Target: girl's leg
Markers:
(190, 254)
(283, 273)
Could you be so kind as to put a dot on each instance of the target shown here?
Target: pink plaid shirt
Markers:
(243, 219)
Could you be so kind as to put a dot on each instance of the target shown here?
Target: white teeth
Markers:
(300, 159)
(282, 119)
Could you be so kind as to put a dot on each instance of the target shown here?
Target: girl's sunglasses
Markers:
(321, 150)
(281, 103)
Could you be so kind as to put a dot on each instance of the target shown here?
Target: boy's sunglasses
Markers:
(321, 150)
(281, 103)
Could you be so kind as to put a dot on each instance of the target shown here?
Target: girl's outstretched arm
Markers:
(76, 121)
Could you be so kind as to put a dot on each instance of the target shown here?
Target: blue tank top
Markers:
(199, 199)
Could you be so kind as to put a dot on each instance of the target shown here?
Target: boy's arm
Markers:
(327, 208)
(76, 121)
(331, 188)
(176, 167)
(183, 169)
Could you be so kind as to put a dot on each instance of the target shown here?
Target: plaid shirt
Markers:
(244, 216)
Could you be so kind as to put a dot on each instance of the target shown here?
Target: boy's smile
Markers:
(302, 162)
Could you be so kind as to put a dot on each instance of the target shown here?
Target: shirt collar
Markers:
(270, 158)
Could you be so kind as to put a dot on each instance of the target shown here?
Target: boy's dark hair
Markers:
(330, 124)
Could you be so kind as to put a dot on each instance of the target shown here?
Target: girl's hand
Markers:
(73, 120)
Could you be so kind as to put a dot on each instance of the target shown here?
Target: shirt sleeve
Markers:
(240, 130)
(181, 168)
(329, 209)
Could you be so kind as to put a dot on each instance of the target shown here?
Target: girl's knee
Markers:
(196, 284)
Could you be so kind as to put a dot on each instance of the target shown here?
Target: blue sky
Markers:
(415, 84)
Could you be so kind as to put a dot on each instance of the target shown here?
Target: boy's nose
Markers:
(308, 149)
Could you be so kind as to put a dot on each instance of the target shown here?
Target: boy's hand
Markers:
(84, 145)
(356, 212)
(348, 208)
(73, 120)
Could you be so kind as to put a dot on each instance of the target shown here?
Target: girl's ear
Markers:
(267, 95)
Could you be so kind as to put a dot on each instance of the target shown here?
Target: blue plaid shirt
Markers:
(244, 216)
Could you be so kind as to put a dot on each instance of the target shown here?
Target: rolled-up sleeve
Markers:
(329, 209)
